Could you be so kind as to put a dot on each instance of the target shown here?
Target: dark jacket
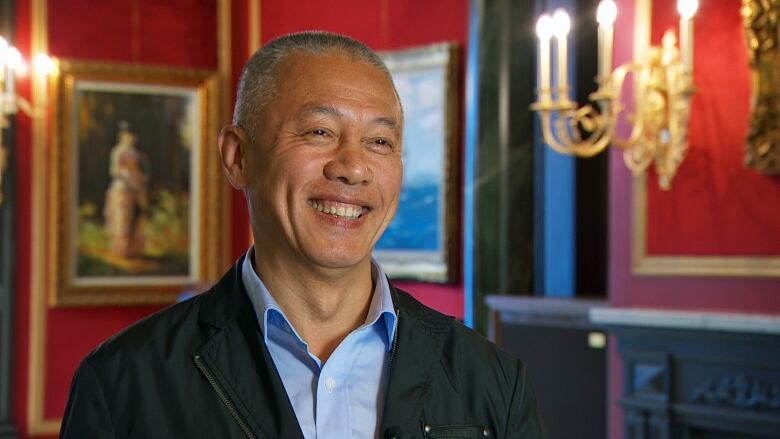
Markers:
(200, 369)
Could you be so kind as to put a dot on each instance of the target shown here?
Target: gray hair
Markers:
(257, 85)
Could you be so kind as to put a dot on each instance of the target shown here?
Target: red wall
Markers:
(184, 33)
(713, 198)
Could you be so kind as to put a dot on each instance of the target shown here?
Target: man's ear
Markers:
(232, 144)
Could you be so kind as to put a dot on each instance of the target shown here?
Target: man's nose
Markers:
(349, 165)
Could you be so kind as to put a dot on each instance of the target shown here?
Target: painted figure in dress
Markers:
(126, 197)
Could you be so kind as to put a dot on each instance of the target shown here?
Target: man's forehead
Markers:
(311, 71)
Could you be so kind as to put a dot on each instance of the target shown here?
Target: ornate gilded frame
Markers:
(760, 19)
(442, 264)
(692, 265)
(206, 260)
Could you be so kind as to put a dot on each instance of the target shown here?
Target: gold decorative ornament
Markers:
(760, 18)
(663, 88)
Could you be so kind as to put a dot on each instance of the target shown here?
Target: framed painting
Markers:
(421, 241)
(136, 185)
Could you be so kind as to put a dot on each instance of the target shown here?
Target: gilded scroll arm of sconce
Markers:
(563, 123)
(760, 19)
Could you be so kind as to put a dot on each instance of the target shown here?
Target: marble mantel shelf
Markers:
(569, 313)
(689, 320)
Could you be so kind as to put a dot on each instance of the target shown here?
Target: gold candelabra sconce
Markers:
(663, 89)
(13, 66)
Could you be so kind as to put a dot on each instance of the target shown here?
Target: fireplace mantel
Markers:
(697, 374)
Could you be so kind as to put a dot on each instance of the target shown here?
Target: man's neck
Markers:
(323, 305)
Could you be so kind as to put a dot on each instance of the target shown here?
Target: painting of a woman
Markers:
(126, 199)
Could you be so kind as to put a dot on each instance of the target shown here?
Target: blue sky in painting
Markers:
(418, 222)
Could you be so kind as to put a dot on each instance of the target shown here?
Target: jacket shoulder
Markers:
(459, 339)
(154, 333)
(179, 328)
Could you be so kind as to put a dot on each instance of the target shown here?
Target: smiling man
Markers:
(305, 337)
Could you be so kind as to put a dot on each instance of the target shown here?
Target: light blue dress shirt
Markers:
(344, 397)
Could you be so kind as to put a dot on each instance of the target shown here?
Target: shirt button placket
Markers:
(330, 384)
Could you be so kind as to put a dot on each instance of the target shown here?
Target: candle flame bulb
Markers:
(687, 8)
(561, 23)
(13, 58)
(544, 27)
(42, 64)
(606, 13)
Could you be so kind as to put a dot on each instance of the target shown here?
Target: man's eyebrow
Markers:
(325, 110)
(328, 110)
(389, 122)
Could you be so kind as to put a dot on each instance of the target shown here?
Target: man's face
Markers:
(325, 171)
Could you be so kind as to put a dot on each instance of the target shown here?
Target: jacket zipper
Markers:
(222, 396)
(395, 336)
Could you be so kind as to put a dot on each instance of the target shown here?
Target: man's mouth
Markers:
(339, 210)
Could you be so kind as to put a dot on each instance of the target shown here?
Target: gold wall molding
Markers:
(690, 265)
(37, 423)
(255, 15)
(40, 280)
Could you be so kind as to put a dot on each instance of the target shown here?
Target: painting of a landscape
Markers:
(414, 246)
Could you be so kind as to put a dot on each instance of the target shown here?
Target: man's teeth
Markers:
(339, 210)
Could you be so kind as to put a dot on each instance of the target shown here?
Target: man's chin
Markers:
(341, 261)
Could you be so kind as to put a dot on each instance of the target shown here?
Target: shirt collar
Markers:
(265, 305)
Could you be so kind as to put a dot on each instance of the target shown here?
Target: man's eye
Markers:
(383, 143)
(319, 132)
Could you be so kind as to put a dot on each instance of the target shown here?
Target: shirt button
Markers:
(330, 384)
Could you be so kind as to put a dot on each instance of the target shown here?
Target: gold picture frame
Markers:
(135, 189)
(645, 264)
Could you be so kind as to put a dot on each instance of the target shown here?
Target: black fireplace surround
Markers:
(685, 377)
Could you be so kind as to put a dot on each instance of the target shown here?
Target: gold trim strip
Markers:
(37, 425)
(646, 265)
(224, 56)
(254, 26)
(736, 266)
(224, 59)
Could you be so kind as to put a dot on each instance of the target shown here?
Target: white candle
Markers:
(9, 82)
(544, 32)
(605, 15)
(544, 68)
(13, 60)
(686, 43)
(687, 9)
(561, 26)
(562, 70)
